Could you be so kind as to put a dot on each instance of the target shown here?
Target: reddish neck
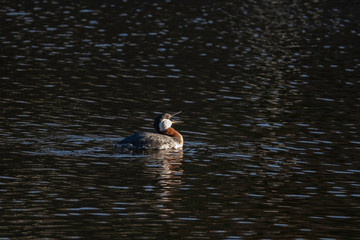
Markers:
(173, 133)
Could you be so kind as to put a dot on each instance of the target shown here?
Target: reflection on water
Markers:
(269, 95)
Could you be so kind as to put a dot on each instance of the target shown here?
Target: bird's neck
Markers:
(173, 133)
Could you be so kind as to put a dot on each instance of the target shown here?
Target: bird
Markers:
(164, 138)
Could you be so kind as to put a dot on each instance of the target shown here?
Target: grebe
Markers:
(165, 138)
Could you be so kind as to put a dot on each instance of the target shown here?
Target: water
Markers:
(270, 104)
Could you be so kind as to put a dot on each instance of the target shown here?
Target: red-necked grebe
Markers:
(165, 138)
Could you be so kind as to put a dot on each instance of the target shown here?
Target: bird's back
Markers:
(147, 140)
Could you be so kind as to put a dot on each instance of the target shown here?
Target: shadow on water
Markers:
(269, 98)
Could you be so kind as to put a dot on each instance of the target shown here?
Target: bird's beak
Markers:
(173, 121)
(175, 114)
(176, 121)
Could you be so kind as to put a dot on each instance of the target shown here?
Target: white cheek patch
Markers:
(165, 124)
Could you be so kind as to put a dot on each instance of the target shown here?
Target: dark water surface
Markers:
(269, 92)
